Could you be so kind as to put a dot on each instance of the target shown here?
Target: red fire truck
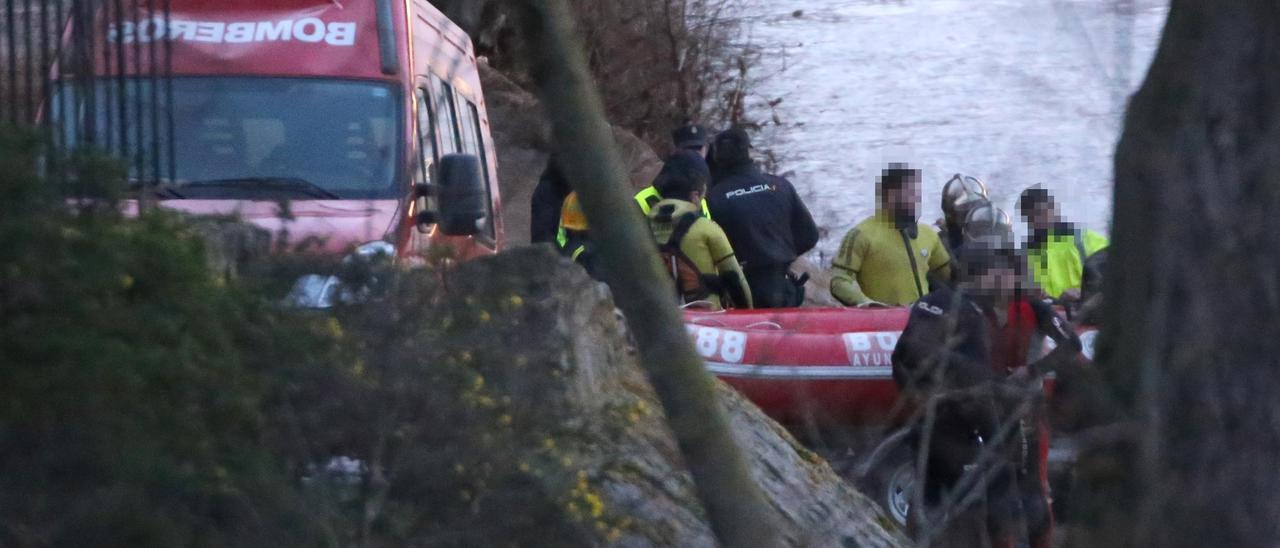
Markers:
(365, 116)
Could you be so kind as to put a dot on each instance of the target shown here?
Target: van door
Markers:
(458, 126)
(427, 154)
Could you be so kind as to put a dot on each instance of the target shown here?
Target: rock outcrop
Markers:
(610, 421)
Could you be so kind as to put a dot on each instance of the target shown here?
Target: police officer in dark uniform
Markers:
(767, 223)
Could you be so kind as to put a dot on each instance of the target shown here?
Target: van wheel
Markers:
(892, 485)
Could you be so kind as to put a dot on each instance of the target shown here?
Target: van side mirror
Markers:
(461, 195)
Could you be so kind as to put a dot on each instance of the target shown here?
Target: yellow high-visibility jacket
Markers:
(648, 197)
(1056, 263)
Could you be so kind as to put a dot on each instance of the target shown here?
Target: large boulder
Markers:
(568, 327)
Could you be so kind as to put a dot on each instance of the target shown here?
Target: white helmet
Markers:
(960, 194)
(987, 220)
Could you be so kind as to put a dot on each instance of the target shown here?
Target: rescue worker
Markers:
(765, 220)
(574, 237)
(1057, 251)
(960, 195)
(546, 204)
(986, 220)
(889, 258)
(695, 250)
(965, 350)
(690, 137)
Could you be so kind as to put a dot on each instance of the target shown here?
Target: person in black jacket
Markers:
(964, 354)
(548, 198)
(767, 223)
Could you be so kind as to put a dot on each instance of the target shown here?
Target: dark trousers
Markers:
(1015, 502)
(773, 287)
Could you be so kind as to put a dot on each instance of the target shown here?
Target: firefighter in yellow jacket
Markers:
(694, 249)
(1062, 258)
(574, 236)
(888, 259)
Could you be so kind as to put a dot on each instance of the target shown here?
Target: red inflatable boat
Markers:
(798, 363)
(816, 367)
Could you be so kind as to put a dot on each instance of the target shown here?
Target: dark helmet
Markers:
(684, 172)
(987, 251)
(960, 194)
(987, 220)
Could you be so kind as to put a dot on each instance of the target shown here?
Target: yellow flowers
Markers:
(126, 281)
(595, 505)
(484, 316)
(585, 505)
(334, 328)
(515, 301)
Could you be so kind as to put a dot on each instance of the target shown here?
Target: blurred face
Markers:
(904, 202)
(1042, 216)
(1000, 281)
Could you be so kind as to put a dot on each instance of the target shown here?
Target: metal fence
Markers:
(82, 72)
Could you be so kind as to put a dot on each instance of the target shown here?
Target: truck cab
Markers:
(337, 123)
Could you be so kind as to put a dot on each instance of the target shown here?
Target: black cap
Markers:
(684, 172)
(690, 136)
(1032, 197)
(732, 148)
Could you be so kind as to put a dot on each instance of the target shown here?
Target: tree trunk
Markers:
(1192, 343)
(737, 512)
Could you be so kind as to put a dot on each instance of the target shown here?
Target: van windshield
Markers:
(247, 138)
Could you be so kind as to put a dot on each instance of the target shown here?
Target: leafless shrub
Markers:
(657, 63)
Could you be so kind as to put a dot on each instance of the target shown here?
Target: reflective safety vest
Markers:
(1057, 264)
(648, 197)
(571, 218)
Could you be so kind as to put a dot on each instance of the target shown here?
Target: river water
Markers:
(1015, 92)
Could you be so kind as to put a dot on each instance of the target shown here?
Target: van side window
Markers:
(446, 117)
(473, 143)
(426, 138)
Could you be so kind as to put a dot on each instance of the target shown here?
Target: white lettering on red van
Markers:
(270, 32)
(210, 32)
(239, 33)
(308, 29)
(181, 30)
(341, 34)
